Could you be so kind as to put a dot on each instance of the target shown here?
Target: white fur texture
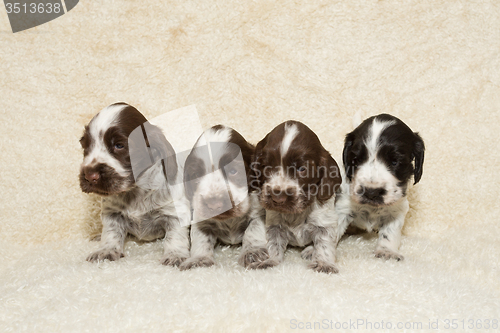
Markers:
(291, 132)
(251, 65)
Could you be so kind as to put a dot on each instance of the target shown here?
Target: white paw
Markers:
(251, 256)
(385, 253)
(264, 264)
(196, 262)
(308, 252)
(323, 267)
(103, 254)
(172, 260)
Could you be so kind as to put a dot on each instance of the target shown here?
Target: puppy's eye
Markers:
(394, 163)
(301, 169)
(119, 146)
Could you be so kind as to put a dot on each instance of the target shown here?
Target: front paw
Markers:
(95, 238)
(323, 267)
(385, 253)
(264, 264)
(252, 256)
(197, 262)
(172, 260)
(103, 254)
(307, 253)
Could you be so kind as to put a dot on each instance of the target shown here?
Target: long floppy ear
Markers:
(257, 166)
(189, 171)
(418, 154)
(349, 141)
(161, 149)
(330, 177)
(247, 151)
(248, 154)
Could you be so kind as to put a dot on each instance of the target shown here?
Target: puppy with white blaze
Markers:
(133, 167)
(378, 160)
(216, 178)
(298, 179)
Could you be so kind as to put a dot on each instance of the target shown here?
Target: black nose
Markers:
(373, 194)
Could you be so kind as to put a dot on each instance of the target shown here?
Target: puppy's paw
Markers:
(307, 253)
(255, 255)
(95, 238)
(323, 267)
(263, 264)
(196, 262)
(385, 253)
(172, 260)
(103, 254)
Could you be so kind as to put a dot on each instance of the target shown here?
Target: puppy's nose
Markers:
(214, 204)
(279, 198)
(92, 177)
(373, 193)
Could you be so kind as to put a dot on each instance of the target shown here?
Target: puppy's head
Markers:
(216, 174)
(292, 169)
(378, 158)
(112, 137)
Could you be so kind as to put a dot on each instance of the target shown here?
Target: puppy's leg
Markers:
(307, 253)
(323, 257)
(344, 214)
(277, 241)
(343, 221)
(175, 243)
(253, 249)
(389, 237)
(112, 238)
(202, 249)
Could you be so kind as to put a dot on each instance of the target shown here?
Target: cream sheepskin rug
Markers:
(251, 65)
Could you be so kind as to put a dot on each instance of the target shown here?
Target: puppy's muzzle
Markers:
(92, 176)
(372, 195)
(281, 196)
(213, 204)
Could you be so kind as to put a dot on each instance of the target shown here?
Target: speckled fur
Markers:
(147, 214)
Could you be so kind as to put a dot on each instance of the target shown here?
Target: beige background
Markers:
(251, 65)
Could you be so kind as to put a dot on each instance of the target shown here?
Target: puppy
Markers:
(132, 166)
(216, 180)
(378, 158)
(297, 179)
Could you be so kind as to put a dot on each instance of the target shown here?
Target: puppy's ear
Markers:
(349, 169)
(161, 149)
(418, 154)
(248, 153)
(257, 166)
(330, 177)
(189, 176)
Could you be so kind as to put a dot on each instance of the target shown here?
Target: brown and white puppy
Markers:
(298, 179)
(216, 178)
(378, 160)
(132, 166)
